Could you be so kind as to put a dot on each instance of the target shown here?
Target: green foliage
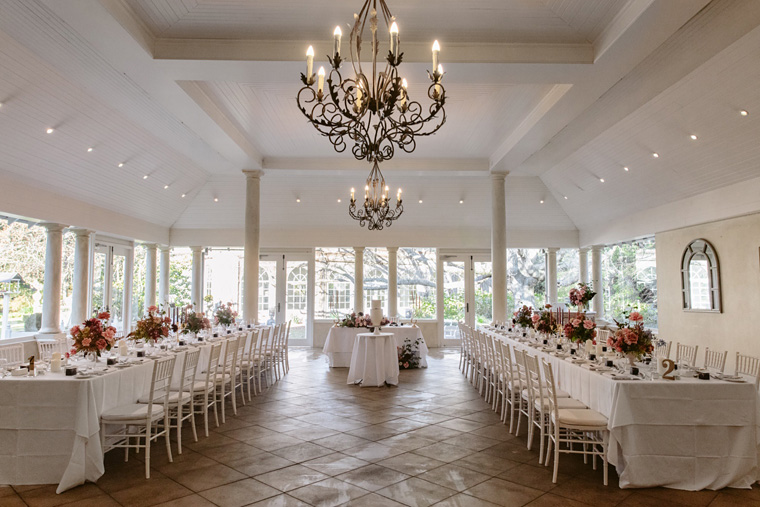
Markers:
(630, 280)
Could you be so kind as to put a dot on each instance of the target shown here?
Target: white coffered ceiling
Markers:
(558, 93)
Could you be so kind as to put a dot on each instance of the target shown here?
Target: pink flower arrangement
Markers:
(95, 335)
(523, 316)
(632, 338)
(225, 315)
(545, 323)
(195, 323)
(580, 329)
(354, 319)
(581, 296)
(153, 327)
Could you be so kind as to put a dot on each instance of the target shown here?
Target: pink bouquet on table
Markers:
(225, 315)
(632, 338)
(95, 335)
(354, 319)
(522, 317)
(581, 296)
(545, 323)
(153, 327)
(580, 329)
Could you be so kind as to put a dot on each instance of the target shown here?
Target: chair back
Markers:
(507, 363)
(534, 379)
(520, 370)
(212, 366)
(45, 348)
(551, 388)
(748, 365)
(260, 340)
(189, 369)
(13, 353)
(686, 353)
(286, 335)
(662, 350)
(715, 359)
(230, 353)
(602, 335)
(242, 342)
(161, 383)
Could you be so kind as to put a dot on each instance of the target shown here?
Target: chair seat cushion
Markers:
(581, 418)
(561, 403)
(199, 386)
(174, 397)
(134, 411)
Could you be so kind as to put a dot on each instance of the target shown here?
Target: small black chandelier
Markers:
(376, 116)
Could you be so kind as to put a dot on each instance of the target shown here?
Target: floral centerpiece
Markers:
(580, 329)
(545, 322)
(409, 354)
(522, 317)
(631, 338)
(194, 322)
(225, 315)
(581, 296)
(94, 336)
(354, 319)
(153, 327)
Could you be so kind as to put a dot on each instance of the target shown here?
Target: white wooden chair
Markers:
(715, 359)
(14, 354)
(142, 422)
(46, 347)
(584, 428)
(662, 351)
(204, 391)
(686, 354)
(182, 401)
(225, 383)
(238, 380)
(748, 365)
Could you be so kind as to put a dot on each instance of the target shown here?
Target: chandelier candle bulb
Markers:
(394, 40)
(352, 194)
(309, 63)
(336, 39)
(321, 84)
(440, 77)
(404, 85)
(436, 50)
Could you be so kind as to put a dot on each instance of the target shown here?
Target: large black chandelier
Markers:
(376, 116)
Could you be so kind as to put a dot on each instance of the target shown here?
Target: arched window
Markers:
(376, 287)
(700, 277)
(297, 288)
(263, 290)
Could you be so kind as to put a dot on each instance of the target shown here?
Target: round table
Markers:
(374, 360)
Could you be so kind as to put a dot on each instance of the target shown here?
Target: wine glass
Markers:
(3, 367)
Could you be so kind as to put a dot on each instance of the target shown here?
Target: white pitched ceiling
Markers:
(566, 21)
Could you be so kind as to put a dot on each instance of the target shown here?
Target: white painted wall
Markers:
(737, 243)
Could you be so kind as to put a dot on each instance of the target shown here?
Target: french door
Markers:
(286, 292)
(111, 283)
(467, 292)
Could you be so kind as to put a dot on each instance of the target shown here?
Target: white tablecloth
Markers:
(374, 361)
(687, 434)
(340, 343)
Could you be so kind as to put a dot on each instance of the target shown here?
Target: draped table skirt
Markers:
(340, 343)
(374, 361)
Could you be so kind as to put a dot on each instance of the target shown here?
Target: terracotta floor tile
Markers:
(372, 477)
(239, 493)
(416, 492)
(291, 477)
(504, 493)
(328, 493)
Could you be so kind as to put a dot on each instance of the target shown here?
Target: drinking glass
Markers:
(3, 367)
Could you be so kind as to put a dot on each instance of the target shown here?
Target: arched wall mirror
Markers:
(700, 277)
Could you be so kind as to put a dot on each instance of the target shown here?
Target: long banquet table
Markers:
(687, 434)
(340, 343)
(50, 424)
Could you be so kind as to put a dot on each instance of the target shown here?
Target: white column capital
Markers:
(552, 249)
(164, 248)
(597, 248)
(196, 248)
(359, 249)
(53, 227)
(392, 249)
(498, 177)
(78, 231)
(253, 173)
(150, 246)
(583, 250)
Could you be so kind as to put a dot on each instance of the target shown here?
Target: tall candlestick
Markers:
(440, 78)
(309, 62)
(321, 75)
(394, 39)
(336, 40)
(403, 93)
(436, 50)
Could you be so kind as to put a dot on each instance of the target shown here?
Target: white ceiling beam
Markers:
(416, 52)
(468, 167)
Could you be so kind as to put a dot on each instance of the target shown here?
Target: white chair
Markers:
(462, 348)
(259, 359)
(748, 365)
(238, 380)
(246, 361)
(14, 354)
(225, 376)
(602, 335)
(142, 422)
(182, 401)
(584, 427)
(686, 354)
(662, 351)
(46, 347)
(511, 387)
(204, 391)
(284, 349)
(715, 359)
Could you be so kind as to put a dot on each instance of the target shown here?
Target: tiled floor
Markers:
(313, 440)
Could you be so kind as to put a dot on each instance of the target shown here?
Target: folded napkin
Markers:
(19, 372)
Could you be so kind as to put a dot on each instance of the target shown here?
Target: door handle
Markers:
(467, 307)
(278, 307)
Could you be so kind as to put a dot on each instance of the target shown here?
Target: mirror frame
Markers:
(704, 247)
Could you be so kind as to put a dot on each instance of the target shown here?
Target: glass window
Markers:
(138, 284)
(526, 281)
(335, 282)
(267, 292)
(376, 277)
(180, 276)
(416, 283)
(568, 273)
(297, 279)
(629, 272)
(223, 277)
(483, 293)
(22, 252)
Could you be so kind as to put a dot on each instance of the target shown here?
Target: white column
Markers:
(163, 277)
(583, 262)
(439, 310)
(392, 281)
(551, 275)
(196, 291)
(6, 333)
(499, 246)
(597, 304)
(81, 285)
(358, 279)
(51, 290)
(251, 257)
(150, 275)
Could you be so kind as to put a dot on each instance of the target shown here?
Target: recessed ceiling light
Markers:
(121, 164)
(565, 197)
(541, 201)
(89, 150)
(625, 168)
(420, 201)
(338, 200)
(601, 179)
(183, 195)
(693, 137)
(656, 155)
(145, 177)
(461, 201)
(298, 200)
(50, 130)
(743, 112)
(216, 199)
(166, 186)
(1, 104)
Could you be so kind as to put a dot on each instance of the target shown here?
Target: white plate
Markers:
(84, 375)
(123, 365)
(737, 380)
